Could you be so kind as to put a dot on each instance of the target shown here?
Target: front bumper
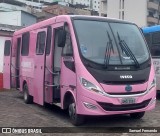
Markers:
(110, 106)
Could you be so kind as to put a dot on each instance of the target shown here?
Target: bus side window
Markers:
(48, 41)
(68, 50)
(41, 38)
(25, 44)
(7, 47)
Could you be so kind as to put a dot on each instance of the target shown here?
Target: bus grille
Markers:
(124, 82)
(112, 107)
(126, 93)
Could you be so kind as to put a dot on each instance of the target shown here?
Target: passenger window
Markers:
(68, 50)
(7, 47)
(156, 38)
(148, 38)
(48, 42)
(25, 44)
(155, 46)
(41, 38)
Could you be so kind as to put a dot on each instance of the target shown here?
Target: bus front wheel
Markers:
(137, 115)
(27, 98)
(75, 118)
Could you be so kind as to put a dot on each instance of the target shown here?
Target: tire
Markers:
(27, 98)
(137, 115)
(75, 118)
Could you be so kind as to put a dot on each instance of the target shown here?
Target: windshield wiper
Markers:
(109, 48)
(127, 50)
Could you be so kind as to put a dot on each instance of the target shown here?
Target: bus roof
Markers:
(151, 29)
(52, 20)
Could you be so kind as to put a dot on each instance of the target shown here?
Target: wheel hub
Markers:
(72, 111)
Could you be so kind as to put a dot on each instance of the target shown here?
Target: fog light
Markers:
(89, 106)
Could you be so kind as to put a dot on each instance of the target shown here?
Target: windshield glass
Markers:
(98, 39)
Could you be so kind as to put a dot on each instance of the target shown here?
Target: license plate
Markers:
(128, 101)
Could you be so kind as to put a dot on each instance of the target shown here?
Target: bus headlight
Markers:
(90, 86)
(153, 84)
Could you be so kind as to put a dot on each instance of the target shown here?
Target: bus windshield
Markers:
(111, 43)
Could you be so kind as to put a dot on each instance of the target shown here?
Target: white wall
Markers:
(2, 40)
(10, 18)
(134, 11)
(103, 7)
(113, 8)
(9, 7)
(96, 5)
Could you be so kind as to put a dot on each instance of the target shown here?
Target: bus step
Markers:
(17, 88)
(57, 104)
(55, 101)
(52, 85)
(56, 94)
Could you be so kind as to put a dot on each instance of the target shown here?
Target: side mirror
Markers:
(61, 37)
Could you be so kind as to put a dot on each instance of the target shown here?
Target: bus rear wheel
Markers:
(75, 118)
(137, 115)
(27, 98)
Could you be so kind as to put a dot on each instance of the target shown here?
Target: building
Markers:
(103, 8)
(31, 6)
(62, 8)
(17, 18)
(12, 5)
(90, 4)
(34, 6)
(141, 12)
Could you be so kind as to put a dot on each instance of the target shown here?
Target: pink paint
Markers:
(37, 70)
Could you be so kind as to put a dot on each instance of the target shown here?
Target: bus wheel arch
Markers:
(28, 99)
(68, 97)
(69, 102)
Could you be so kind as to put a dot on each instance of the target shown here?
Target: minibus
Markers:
(87, 65)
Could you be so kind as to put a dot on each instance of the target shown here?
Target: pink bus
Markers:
(88, 65)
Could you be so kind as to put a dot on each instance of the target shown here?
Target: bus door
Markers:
(68, 72)
(18, 62)
(39, 66)
(7, 65)
(63, 62)
(15, 63)
(48, 90)
(53, 65)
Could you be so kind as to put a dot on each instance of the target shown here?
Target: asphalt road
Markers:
(15, 113)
